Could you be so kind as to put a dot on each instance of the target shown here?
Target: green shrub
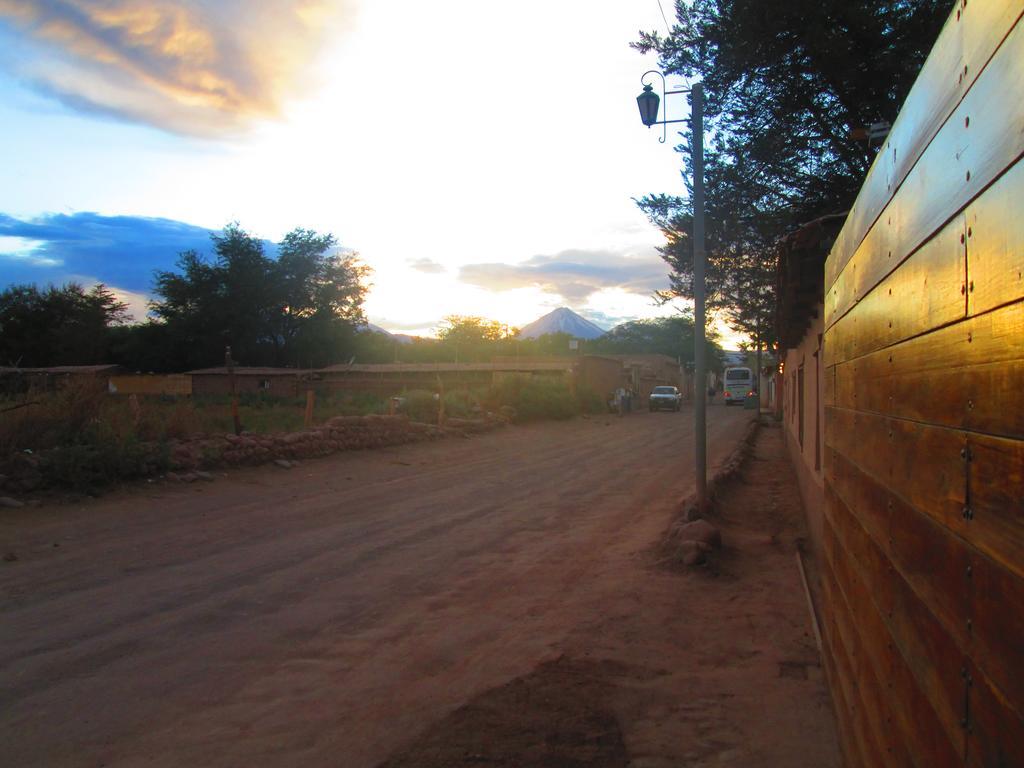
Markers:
(90, 466)
(462, 404)
(590, 402)
(342, 403)
(420, 405)
(534, 398)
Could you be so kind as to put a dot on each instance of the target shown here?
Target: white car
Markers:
(665, 398)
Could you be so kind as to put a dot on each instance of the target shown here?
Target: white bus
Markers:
(737, 383)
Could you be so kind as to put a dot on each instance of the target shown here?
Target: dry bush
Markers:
(66, 416)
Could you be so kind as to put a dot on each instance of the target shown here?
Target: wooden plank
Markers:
(967, 41)
(931, 655)
(995, 731)
(996, 500)
(981, 138)
(840, 706)
(828, 385)
(925, 292)
(997, 629)
(967, 376)
(860, 551)
(870, 499)
(920, 463)
(865, 384)
(861, 682)
(850, 614)
(929, 566)
(934, 563)
(841, 681)
(907, 713)
(995, 247)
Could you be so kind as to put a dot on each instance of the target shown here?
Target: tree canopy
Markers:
(789, 85)
(478, 339)
(300, 309)
(470, 338)
(66, 325)
(672, 336)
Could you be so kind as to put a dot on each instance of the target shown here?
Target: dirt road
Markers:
(334, 613)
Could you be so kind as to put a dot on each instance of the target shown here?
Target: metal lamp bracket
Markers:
(664, 101)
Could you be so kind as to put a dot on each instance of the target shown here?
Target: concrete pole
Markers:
(700, 424)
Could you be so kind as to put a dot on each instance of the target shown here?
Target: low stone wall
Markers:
(190, 459)
(342, 433)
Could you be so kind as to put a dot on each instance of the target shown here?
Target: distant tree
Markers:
(66, 325)
(470, 328)
(545, 345)
(322, 296)
(300, 309)
(672, 336)
(790, 85)
(472, 338)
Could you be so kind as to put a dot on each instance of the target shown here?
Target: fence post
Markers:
(310, 401)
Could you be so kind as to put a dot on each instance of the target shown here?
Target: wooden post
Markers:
(310, 401)
(230, 365)
(440, 401)
(133, 403)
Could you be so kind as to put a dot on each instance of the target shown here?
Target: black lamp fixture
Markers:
(648, 101)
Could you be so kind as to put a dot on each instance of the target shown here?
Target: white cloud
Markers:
(573, 274)
(429, 266)
(200, 67)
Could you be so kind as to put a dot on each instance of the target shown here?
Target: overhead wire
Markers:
(668, 27)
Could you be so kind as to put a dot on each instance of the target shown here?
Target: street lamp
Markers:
(648, 102)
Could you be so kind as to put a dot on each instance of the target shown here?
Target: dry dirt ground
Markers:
(491, 601)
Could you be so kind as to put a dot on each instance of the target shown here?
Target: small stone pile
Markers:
(696, 540)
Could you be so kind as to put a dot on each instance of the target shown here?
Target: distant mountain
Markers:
(562, 320)
(401, 338)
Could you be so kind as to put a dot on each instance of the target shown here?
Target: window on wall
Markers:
(800, 406)
(792, 397)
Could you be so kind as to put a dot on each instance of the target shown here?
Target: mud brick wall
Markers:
(923, 578)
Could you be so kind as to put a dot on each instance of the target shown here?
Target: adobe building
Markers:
(800, 326)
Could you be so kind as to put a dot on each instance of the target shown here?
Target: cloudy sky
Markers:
(481, 157)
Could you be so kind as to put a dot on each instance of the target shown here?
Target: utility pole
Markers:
(649, 102)
(700, 424)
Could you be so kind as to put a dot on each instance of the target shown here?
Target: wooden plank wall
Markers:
(923, 577)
